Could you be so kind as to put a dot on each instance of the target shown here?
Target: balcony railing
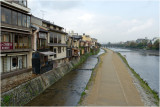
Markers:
(22, 46)
(9, 46)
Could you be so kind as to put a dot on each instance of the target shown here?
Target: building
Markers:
(83, 49)
(57, 39)
(16, 51)
(76, 45)
(93, 43)
(94, 46)
(41, 60)
(155, 39)
(69, 47)
(88, 42)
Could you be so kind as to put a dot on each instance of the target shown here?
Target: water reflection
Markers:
(67, 91)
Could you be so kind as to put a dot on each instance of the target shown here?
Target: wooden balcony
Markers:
(14, 47)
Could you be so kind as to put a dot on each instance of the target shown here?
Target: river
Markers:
(67, 91)
(144, 63)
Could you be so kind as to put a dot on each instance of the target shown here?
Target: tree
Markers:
(156, 45)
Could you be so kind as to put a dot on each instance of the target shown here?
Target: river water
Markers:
(145, 64)
(67, 91)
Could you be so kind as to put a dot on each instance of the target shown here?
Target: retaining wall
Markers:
(25, 92)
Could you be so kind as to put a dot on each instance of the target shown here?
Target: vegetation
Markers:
(83, 93)
(143, 83)
(6, 100)
(142, 45)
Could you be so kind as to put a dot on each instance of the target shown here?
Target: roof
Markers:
(76, 37)
(54, 44)
(43, 30)
(48, 22)
(47, 53)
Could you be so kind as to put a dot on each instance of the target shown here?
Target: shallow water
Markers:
(67, 91)
(145, 65)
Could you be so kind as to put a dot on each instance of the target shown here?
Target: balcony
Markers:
(14, 47)
(16, 4)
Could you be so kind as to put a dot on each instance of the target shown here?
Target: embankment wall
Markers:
(25, 92)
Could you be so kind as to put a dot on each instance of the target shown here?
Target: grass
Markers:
(83, 93)
(6, 100)
(143, 83)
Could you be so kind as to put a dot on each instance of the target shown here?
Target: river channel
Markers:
(144, 63)
(67, 91)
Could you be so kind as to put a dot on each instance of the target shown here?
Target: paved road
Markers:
(113, 84)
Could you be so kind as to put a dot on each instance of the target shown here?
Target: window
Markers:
(28, 21)
(55, 38)
(43, 42)
(51, 49)
(55, 51)
(59, 38)
(3, 19)
(51, 37)
(6, 37)
(6, 15)
(59, 49)
(14, 62)
(24, 20)
(19, 19)
(16, 38)
(14, 18)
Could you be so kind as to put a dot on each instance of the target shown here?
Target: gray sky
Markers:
(106, 20)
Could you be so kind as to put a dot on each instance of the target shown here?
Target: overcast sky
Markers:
(106, 20)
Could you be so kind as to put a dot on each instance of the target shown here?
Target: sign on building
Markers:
(6, 45)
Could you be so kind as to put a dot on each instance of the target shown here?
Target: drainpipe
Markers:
(35, 38)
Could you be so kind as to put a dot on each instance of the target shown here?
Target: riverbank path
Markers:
(113, 84)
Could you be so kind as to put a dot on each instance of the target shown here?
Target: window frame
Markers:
(28, 21)
(55, 39)
(12, 20)
(19, 19)
(7, 15)
(24, 20)
(59, 39)
(59, 49)
(55, 51)
(51, 38)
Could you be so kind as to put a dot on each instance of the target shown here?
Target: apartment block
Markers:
(16, 51)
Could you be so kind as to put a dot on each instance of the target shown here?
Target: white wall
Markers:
(60, 55)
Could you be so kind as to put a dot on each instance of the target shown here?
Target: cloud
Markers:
(141, 27)
(86, 17)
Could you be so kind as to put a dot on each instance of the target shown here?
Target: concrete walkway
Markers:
(113, 84)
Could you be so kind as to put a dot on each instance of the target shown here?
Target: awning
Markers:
(47, 53)
(16, 54)
(2, 54)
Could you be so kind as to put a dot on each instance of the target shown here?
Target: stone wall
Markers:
(25, 92)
